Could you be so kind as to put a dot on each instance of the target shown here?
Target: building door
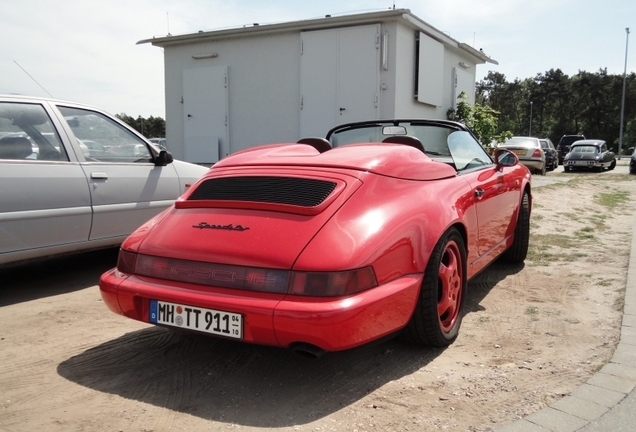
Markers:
(339, 77)
(205, 114)
(463, 81)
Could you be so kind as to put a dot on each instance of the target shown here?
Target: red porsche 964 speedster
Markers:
(328, 244)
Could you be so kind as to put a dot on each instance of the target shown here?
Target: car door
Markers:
(496, 198)
(126, 187)
(44, 196)
(495, 192)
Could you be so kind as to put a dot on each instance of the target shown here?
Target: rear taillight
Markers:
(318, 284)
(219, 275)
(536, 154)
(329, 284)
(126, 261)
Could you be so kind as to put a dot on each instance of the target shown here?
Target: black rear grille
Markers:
(302, 192)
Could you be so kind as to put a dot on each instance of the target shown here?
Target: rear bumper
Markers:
(533, 164)
(331, 324)
(587, 164)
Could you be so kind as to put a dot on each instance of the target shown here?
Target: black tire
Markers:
(438, 311)
(543, 169)
(612, 165)
(518, 251)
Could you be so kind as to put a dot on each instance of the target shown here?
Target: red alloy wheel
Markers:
(450, 286)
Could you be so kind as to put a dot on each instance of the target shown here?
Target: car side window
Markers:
(102, 139)
(466, 152)
(27, 133)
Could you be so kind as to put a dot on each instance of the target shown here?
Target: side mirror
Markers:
(505, 158)
(164, 158)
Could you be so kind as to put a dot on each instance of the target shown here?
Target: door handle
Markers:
(99, 175)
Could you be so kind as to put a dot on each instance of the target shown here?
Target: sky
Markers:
(86, 50)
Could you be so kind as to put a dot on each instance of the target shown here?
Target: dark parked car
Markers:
(551, 154)
(632, 164)
(563, 147)
(589, 154)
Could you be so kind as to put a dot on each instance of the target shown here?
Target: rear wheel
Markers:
(612, 165)
(543, 169)
(518, 251)
(437, 316)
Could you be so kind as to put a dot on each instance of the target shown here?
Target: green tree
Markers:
(482, 120)
(586, 103)
(152, 127)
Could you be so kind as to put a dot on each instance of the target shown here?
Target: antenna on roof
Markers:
(393, 4)
(168, 23)
(34, 80)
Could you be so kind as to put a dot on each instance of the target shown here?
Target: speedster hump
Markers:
(393, 160)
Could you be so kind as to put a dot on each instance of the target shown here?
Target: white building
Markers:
(228, 90)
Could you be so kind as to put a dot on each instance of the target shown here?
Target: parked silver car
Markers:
(73, 177)
(529, 151)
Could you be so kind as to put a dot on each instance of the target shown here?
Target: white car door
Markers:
(44, 196)
(126, 187)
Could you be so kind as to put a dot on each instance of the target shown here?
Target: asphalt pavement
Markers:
(607, 401)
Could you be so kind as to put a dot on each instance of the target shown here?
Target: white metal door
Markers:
(205, 114)
(462, 82)
(339, 77)
(358, 73)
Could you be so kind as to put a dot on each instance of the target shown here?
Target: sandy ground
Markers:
(531, 334)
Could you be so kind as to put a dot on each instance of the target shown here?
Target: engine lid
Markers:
(226, 221)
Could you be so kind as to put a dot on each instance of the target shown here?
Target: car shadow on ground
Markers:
(236, 383)
(60, 275)
(480, 285)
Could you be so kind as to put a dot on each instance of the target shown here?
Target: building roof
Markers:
(402, 15)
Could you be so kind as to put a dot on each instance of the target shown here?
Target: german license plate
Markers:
(211, 321)
(520, 152)
(581, 163)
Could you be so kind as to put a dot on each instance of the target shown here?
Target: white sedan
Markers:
(73, 177)
(529, 152)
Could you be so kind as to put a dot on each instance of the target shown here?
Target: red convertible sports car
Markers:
(328, 244)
